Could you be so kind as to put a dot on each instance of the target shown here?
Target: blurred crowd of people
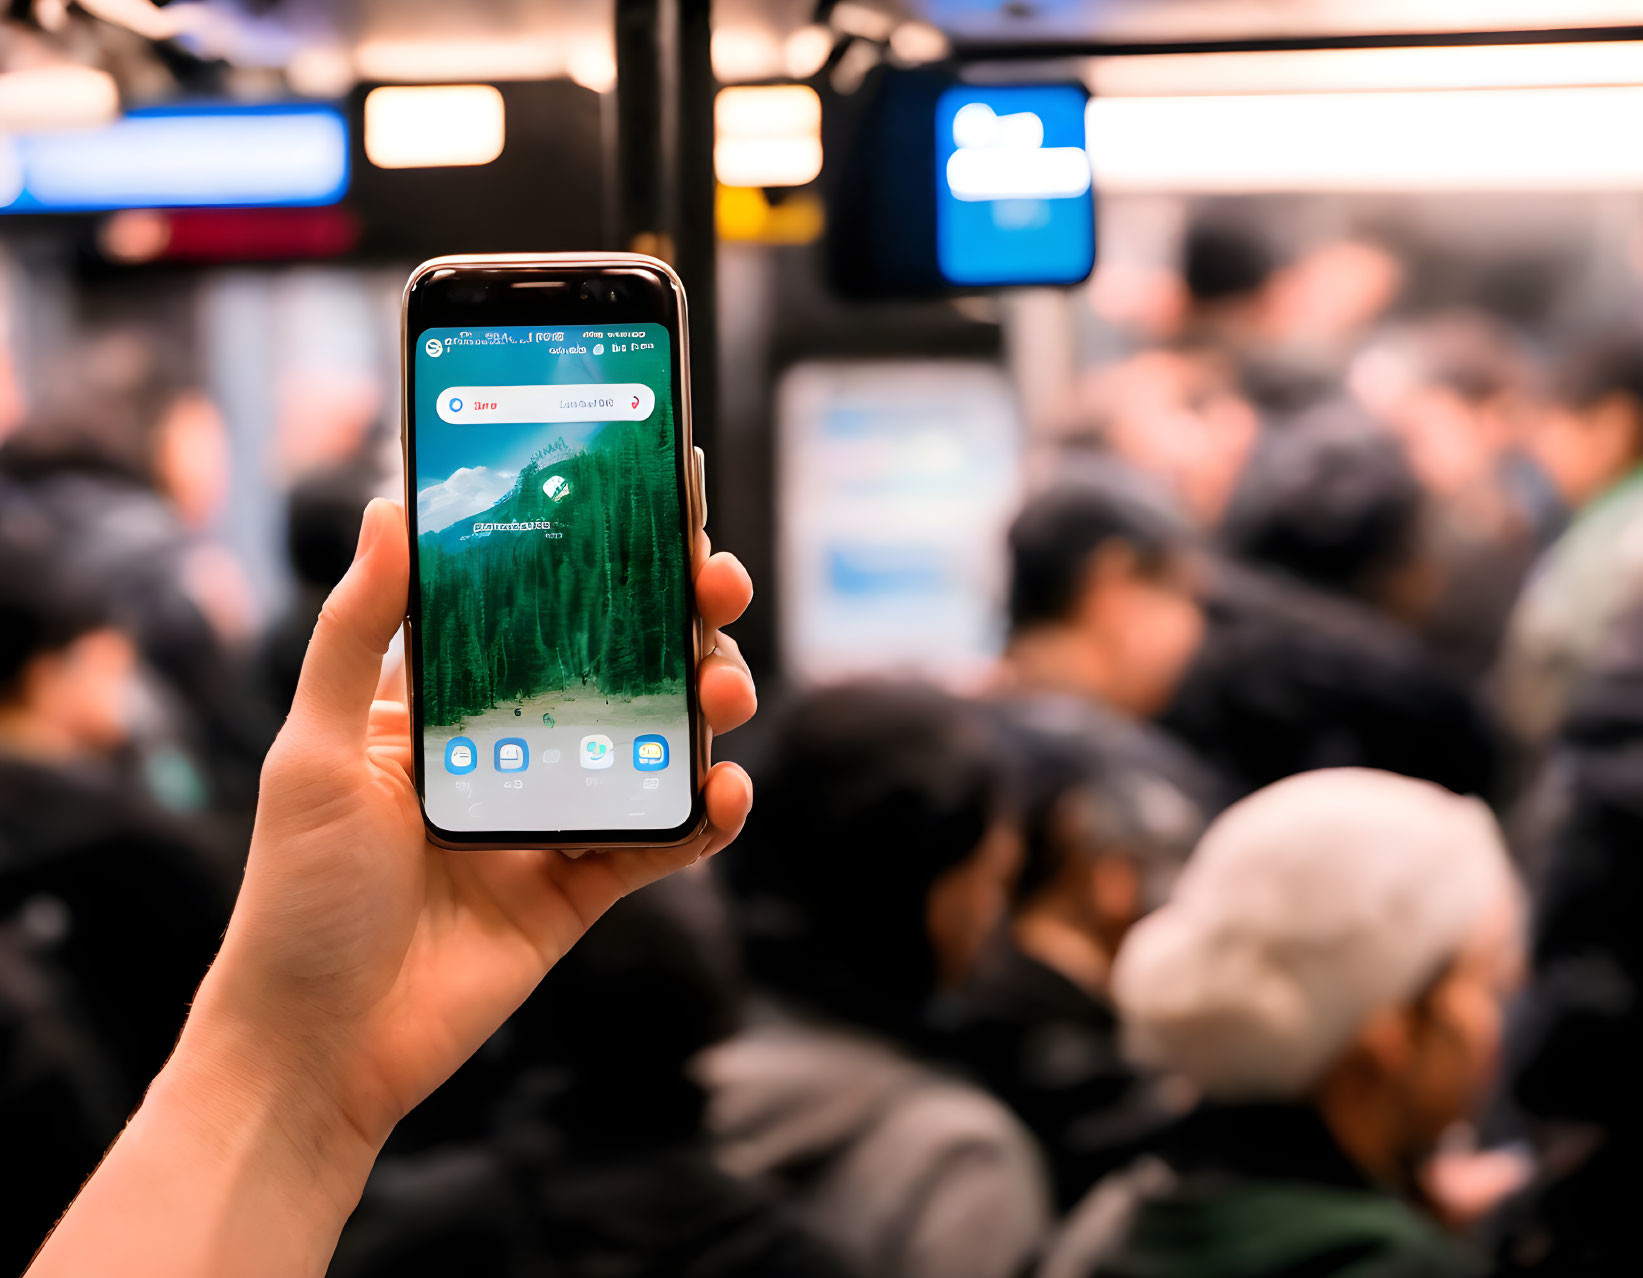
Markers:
(1267, 916)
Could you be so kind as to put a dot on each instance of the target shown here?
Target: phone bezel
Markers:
(552, 295)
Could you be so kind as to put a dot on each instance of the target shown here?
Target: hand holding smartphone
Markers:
(554, 498)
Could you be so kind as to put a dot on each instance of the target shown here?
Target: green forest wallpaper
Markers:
(594, 600)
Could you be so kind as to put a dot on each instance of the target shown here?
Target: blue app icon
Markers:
(649, 753)
(461, 755)
(512, 755)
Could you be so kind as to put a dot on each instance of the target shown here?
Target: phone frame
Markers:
(553, 270)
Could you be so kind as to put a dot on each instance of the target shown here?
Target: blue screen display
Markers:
(1014, 202)
(181, 157)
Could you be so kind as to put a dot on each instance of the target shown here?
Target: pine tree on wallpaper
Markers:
(520, 614)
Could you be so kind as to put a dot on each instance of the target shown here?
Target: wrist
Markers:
(226, 1168)
(258, 1110)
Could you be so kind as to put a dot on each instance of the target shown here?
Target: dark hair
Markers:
(1226, 256)
(1332, 500)
(868, 793)
(41, 609)
(1613, 366)
(1052, 539)
(1147, 799)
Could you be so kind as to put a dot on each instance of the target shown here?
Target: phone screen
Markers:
(553, 617)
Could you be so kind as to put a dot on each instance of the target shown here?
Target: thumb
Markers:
(344, 659)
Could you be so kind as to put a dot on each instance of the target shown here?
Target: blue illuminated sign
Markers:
(181, 157)
(1014, 203)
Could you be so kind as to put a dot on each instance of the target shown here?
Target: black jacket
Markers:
(1050, 1050)
(529, 1205)
(1288, 680)
(1575, 1053)
(109, 917)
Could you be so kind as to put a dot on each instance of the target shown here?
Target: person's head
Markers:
(1250, 290)
(1103, 595)
(1457, 389)
(1227, 259)
(1332, 501)
(879, 858)
(116, 406)
(1106, 819)
(67, 674)
(1174, 413)
(1592, 435)
(1342, 938)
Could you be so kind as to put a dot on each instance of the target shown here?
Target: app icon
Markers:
(597, 751)
(650, 753)
(460, 755)
(512, 755)
(434, 349)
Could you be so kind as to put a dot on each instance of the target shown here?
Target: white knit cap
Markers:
(1305, 908)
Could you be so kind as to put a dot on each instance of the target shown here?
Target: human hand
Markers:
(363, 964)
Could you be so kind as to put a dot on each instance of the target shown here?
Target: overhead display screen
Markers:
(1014, 200)
(220, 156)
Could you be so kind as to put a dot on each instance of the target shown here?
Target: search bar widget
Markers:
(571, 402)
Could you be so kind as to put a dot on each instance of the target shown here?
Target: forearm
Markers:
(223, 1170)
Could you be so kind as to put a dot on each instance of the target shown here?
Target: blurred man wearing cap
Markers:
(1328, 974)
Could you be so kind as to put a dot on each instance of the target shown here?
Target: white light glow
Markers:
(57, 97)
(768, 135)
(977, 124)
(320, 71)
(746, 53)
(915, 42)
(431, 126)
(593, 66)
(1503, 66)
(806, 51)
(1049, 173)
(525, 58)
(762, 111)
(1508, 140)
(1003, 157)
(767, 161)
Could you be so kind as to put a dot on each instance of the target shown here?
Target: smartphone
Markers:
(554, 497)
